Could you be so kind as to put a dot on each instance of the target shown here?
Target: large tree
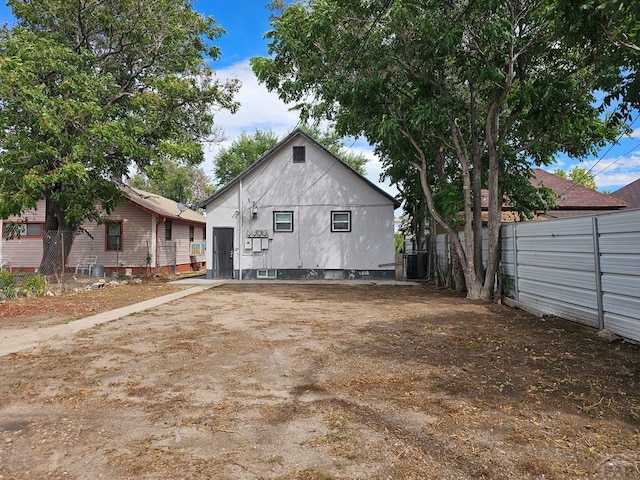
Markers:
(614, 27)
(246, 149)
(187, 184)
(89, 89)
(467, 94)
(578, 175)
(243, 151)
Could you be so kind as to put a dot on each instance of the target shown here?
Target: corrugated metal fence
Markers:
(585, 269)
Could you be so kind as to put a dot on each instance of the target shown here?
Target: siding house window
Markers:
(299, 154)
(283, 221)
(341, 221)
(191, 233)
(114, 236)
(167, 229)
(22, 230)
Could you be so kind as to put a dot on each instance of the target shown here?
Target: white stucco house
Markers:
(298, 213)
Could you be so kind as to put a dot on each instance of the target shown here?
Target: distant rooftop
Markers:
(630, 194)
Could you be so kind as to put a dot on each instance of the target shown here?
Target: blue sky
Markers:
(246, 22)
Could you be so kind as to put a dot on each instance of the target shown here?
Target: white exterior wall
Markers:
(311, 190)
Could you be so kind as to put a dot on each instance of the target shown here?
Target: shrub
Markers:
(7, 284)
(35, 285)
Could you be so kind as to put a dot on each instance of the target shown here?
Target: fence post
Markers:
(64, 260)
(175, 257)
(598, 271)
(516, 289)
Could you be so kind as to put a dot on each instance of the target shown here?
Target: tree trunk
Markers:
(495, 202)
(57, 239)
(457, 272)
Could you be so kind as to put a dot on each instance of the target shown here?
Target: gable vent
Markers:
(298, 154)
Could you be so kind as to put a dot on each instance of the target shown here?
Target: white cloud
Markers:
(259, 108)
(373, 167)
(614, 172)
(635, 133)
(263, 110)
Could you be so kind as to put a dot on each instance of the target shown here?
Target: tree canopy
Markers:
(89, 89)
(578, 175)
(185, 184)
(464, 96)
(614, 27)
(243, 151)
(246, 149)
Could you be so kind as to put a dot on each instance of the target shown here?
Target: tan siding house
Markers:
(146, 233)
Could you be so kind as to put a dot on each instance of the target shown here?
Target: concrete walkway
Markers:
(15, 339)
(203, 281)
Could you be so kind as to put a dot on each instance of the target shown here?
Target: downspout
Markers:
(240, 228)
(154, 242)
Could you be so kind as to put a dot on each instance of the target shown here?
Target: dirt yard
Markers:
(323, 382)
(70, 305)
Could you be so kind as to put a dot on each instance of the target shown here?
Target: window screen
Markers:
(283, 221)
(114, 236)
(340, 221)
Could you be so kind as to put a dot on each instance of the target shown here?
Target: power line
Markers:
(362, 44)
(617, 160)
(613, 144)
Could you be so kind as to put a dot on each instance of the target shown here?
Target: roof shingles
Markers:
(630, 194)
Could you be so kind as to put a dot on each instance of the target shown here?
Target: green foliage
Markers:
(34, 284)
(612, 29)
(508, 286)
(182, 183)
(7, 284)
(578, 175)
(11, 231)
(461, 100)
(333, 142)
(89, 89)
(399, 242)
(247, 149)
(244, 151)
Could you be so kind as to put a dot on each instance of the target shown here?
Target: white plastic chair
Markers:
(86, 266)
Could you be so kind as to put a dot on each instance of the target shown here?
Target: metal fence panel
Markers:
(585, 269)
(578, 261)
(555, 265)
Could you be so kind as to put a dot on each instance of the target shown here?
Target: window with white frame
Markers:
(283, 221)
(341, 221)
(20, 230)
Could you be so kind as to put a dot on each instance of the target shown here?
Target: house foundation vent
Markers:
(267, 274)
(334, 274)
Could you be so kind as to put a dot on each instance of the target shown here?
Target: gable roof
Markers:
(629, 193)
(573, 196)
(279, 147)
(572, 199)
(165, 207)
